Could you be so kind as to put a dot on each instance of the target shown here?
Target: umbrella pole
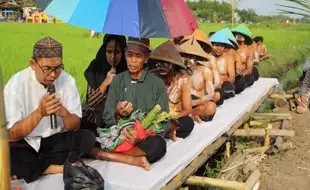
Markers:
(233, 7)
(4, 145)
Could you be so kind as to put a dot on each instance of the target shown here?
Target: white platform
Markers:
(120, 176)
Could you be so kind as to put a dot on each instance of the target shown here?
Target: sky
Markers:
(263, 7)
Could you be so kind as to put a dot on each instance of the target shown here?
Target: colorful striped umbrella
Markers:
(136, 18)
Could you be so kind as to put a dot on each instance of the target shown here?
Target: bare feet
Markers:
(140, 161)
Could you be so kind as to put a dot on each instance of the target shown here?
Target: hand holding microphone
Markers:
(49, 105)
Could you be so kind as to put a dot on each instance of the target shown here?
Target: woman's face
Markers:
(113, 60)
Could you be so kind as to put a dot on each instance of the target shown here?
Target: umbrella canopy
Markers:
(201, 37)
(242, 29)
(136, 18)
(220, 37)
(168, 52)
(230, 36)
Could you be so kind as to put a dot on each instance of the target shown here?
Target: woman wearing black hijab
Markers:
(110, 60)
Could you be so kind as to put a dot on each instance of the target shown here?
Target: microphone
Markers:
(51, 89)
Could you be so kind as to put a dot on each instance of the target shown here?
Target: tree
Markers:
(302, 8)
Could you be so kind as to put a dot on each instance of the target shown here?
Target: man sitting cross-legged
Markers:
(168, 63)
(201, 81)
(135, 89)
(36, 146)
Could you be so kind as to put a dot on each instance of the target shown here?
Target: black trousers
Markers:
(85, 124)
(29, 165)
(222, 94)
(242, 83)
(229, 90)
(186, 124)
(255, 73)
(155, 147)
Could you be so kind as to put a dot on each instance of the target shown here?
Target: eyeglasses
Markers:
(48, 70)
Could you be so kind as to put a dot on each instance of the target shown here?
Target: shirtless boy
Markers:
(201, 80)
(247, 71)
(225, 62)
(261, 48)
(206, 45)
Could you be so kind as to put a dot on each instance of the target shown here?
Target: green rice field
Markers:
(287, 43)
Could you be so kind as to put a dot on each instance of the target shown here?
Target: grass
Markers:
(287, 43)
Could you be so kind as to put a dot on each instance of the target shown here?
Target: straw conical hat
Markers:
(220, 37)
(242, 29)
(168, 52)
(231, 37)
(192, 47)
(200, 36)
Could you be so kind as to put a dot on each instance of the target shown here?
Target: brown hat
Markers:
(192, 47)
(47, 47)
(200, 36)
(145, 42)
(169, 53)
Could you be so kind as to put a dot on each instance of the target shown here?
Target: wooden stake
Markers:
(285, 96)
(227, 153)
(246, 126)
(4, 146)
(267, 136)
(219, 183)
(253, 179)
(264, 116)
(262, 132)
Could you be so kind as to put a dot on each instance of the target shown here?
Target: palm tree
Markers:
(301, 7)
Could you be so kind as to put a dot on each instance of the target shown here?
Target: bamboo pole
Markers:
(256, 150)
(262, 132)
(264, 116)
(267, 136)
(225, 184)
(4, 146)
(285, 96)
(292, 105)
(227, 153)
(246, 126)
(253, 179)
(263, 122)
(233, 7)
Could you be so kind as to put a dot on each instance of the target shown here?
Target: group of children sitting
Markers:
(136, 98)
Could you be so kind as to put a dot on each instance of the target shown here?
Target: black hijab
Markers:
(97, 70)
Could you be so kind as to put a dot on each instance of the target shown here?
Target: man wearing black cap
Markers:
(36, 148)
(131, 90)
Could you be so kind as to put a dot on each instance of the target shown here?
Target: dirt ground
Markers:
(290, 170)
